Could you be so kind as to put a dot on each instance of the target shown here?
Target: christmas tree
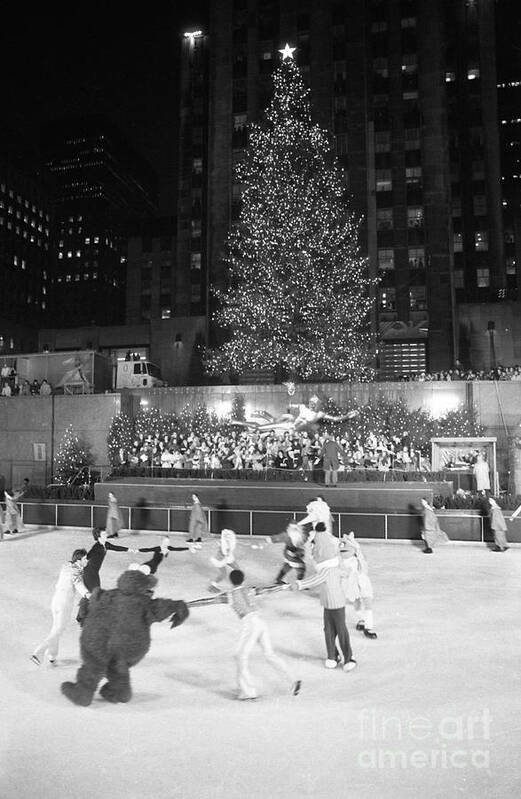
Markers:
(299, 297)
(119, 439)
(71, 457)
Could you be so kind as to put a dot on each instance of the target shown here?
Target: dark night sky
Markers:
(88, 58)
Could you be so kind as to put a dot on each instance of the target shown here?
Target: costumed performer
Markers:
(358, 587)
(330, 579)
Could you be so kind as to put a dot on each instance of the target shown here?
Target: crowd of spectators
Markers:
(282, 450)
(498, 373)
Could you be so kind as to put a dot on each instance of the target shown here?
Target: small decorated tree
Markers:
(119, 439)
(71, 457)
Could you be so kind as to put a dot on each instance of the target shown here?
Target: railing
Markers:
(460, 525)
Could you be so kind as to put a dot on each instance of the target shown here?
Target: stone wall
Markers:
(25, 421)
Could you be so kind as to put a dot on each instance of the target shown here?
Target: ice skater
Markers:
(332, 597)
(432, 533)
(254, 631)
(114, 522)
(165, 547)
(224, 559)
(91, 572)
(13, 517)
(294, 539)
(498, 526)
(70, 585)
(197, 525)
(358, 586)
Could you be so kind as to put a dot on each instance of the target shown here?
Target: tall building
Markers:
(25, 246)
(102, 186)
(191, 285)
(509, 101)
(408, 88)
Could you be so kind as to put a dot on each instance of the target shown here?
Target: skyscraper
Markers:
(102, 185)
(25, 246)
(408, 89)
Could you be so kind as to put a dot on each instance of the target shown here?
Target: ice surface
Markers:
(432, 710)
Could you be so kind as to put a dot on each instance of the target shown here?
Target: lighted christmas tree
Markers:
(119, 439)
(71, 457)
(299, 297)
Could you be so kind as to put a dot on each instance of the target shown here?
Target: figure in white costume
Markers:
(69, 588)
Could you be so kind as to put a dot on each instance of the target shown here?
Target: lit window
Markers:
(15, 260)
(458, 242)
(409, 63)
(69, 253)
(416, 258)
(481, 240)
(450, 77)
(388, 299)
(413, 175)
(483, 278)
(78, 253)
(510, 262)
(96, 239)
(166, 313)
(473, 74)
(415, 217)
(384, 180)
(87, 240)
(60, 255)
(417, 298)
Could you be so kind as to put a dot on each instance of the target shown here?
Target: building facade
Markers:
(102, 186)
(409, 90)
(26, 226)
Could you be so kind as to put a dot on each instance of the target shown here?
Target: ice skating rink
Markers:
(433, 709)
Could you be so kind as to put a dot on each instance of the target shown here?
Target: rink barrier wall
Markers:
(460, 525)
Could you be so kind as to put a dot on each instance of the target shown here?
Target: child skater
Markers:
(332, 597)
(13, 518)
(254, 631)
(70, 583)
(294, 539)
(358, 587)
(114, 521)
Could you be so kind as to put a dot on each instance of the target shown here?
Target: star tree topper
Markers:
(287, 52)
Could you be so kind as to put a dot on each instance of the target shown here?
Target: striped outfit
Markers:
(332, 595)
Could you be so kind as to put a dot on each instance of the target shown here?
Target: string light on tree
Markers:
(299, 296)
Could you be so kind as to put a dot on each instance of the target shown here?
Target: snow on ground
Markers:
(431, 711)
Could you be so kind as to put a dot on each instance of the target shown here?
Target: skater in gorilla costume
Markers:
(116, 635)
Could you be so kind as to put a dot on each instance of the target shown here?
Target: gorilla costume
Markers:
(116, 635)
